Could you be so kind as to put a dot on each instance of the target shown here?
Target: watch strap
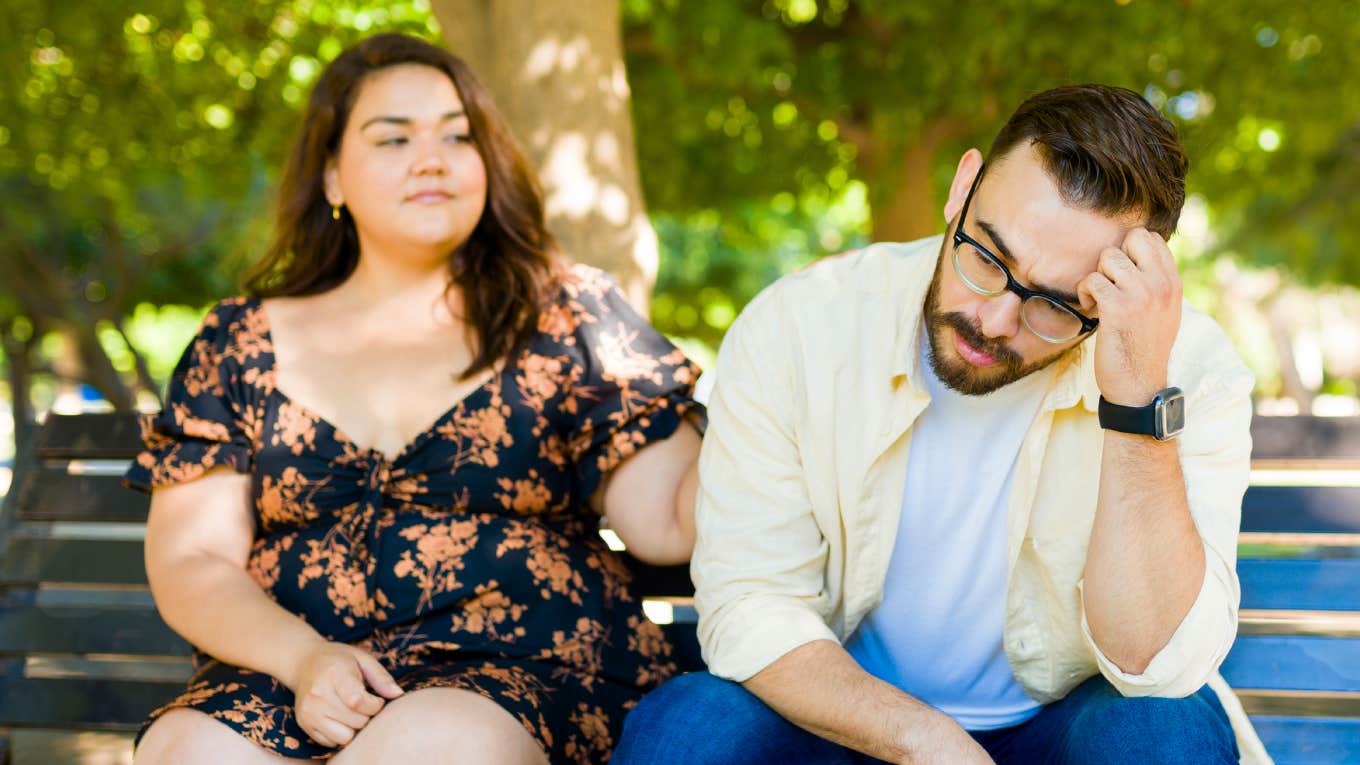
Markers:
(1138, 420)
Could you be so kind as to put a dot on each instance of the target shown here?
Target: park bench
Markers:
(84, 656)
(1296, 662)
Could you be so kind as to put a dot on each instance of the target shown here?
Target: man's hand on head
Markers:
(1137, 290)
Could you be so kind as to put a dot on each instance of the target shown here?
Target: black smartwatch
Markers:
(1163, 419)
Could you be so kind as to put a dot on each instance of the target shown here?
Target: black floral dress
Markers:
(470, 559)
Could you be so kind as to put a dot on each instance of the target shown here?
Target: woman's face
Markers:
(407, 169)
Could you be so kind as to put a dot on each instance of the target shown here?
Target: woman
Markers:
(376, 483)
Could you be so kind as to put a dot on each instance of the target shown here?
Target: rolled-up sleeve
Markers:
(759, 565)
(1215, 456)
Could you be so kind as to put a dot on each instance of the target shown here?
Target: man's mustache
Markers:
(974, 337)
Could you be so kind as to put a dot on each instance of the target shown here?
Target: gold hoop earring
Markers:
(335, 212)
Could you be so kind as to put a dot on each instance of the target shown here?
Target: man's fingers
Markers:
(1149, 251)
(1098, 287)
(1117, 266)
(378, 678)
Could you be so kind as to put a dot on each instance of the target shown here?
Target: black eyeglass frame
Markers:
(1088, 325)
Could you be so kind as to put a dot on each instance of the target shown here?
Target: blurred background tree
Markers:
(140, 141)
(837, 102)
(138, 144)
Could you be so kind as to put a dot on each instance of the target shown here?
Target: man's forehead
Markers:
(1022, 205)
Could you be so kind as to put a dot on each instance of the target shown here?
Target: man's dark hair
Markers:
(1107, 148)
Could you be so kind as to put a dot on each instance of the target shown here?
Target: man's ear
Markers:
(969, 166)
(330, 179)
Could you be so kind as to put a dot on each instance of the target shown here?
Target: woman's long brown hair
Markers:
(505, 268)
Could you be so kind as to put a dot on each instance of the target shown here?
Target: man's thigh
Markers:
(1096, 724)
(699, 719)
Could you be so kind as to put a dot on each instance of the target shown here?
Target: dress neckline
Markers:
(410, 446)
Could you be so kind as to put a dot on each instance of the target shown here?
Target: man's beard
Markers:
(959, 375)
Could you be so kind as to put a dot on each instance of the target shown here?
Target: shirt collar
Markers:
(910, 303)
(1074, 381)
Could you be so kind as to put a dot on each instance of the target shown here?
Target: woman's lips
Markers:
(972, 355)
(429, 197)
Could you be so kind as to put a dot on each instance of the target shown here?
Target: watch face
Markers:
(1171, 414)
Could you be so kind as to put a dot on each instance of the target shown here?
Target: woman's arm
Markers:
(649, 498)
(198, 539)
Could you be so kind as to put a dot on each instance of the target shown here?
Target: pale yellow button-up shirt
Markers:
(803, 465)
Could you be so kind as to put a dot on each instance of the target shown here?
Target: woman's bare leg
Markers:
(443, 725)
(190, 737)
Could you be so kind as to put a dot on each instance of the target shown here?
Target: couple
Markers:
(940, 517)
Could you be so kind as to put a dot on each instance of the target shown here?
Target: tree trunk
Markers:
(95, 366)
(1281, 335)
(906, 208)
(17, 356)
(556, 72)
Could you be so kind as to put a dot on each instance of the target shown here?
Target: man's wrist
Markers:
(1140, 394)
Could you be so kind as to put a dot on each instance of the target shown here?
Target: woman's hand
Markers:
(331, 689)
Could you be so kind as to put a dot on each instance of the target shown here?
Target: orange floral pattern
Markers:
(471, 558)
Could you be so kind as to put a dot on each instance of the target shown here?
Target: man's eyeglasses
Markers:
(984, 273)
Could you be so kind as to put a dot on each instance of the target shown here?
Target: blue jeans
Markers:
(699, 719)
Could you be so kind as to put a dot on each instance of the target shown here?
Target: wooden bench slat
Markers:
(1303, 585)
(54, 495)
(34, 560)
(1314, 623)
(1305, 437)
(37, 746)
(111, 435)
(1313, 509)
(1295, 741)
(140, 632)
(81, 703)
(1294, 663)
(1299, 703)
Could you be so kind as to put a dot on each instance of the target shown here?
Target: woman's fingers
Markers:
(377, 677)
(354, 696)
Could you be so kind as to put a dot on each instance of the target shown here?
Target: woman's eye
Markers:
(394, 141)
(459, 138)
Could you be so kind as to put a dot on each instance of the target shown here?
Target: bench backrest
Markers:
(81, 644)
(1296, 662)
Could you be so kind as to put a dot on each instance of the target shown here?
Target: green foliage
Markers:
(737, 102)
(713, 263)
(139, 142)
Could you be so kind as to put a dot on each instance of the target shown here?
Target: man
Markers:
(942, 518)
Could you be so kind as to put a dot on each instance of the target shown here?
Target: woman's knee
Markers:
(444, 725)
(189, 737)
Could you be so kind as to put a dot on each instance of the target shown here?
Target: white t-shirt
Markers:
(937, 634)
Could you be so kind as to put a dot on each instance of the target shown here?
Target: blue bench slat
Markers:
(1296, 663)
(1310, 585)
(1310, 509)
(1300, 741)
